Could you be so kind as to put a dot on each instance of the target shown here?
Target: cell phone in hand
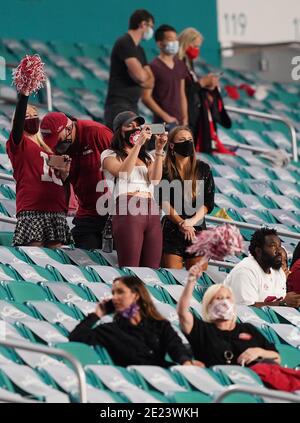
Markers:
(57, 161)
(270, 299)
(157, 128)
(108, 307)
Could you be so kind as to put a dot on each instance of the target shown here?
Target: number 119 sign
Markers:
(258, 22)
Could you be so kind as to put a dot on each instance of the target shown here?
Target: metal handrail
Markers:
(53, 351)
(8, 219)
(19, 400)
(7, 177)
(256, 391)
(219, 263)
(49, 95)
(245, 225)
(270, 116)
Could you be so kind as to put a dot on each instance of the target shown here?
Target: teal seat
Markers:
(83, 352)
(26, 291)
(6, 238)
(289, 355)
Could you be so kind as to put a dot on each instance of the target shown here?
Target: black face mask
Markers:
(129, 136)
(185, 149)
(32, 125)
(63, 146)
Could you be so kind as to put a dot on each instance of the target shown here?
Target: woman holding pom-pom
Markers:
(189, 197)
(216, 338)
(41, 196)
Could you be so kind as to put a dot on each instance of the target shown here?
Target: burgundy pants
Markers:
(138, 235)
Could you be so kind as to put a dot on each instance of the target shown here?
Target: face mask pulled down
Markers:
(131, 136)
(221, 310)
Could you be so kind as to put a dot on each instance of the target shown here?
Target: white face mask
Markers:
(148, 34)
(171, 47)
(221, 310)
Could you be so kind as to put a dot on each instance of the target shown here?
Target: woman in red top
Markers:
(40, 191)
(293, 282)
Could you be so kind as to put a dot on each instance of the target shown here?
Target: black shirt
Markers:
(146, 343)
(122, 88)
(210, 343)
(203, 174)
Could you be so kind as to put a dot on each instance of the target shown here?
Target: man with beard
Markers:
(83, 141)
(259, 280)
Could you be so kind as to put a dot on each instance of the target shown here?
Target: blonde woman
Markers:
(41, 197)
(205, 105)
(218, 339)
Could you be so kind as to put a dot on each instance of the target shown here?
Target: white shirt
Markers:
(138, 180)
(250, 284)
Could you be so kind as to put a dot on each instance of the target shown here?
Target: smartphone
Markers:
(108, 307)
(270, 299)
(57, 161)
(157, 128)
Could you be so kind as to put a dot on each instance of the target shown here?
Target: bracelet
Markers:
(160, 154)
(283, 303)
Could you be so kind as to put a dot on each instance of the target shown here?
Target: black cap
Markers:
(125, 118)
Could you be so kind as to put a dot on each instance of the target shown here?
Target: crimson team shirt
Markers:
(92, 139)
(38, 189)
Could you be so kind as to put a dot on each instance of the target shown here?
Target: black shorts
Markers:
(174, 242)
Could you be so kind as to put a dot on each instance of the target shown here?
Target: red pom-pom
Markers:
(30, 75)
(218, 242)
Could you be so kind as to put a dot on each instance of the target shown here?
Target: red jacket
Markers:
(293, 282)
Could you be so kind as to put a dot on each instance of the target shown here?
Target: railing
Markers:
(245, 225)
(269, 116)
(53, 351)
(256, 391)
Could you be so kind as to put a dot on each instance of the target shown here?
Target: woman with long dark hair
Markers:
(134, 172)
(190, 198)
(138, 333)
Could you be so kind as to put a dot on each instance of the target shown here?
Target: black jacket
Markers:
(197, 112)
(146, 343)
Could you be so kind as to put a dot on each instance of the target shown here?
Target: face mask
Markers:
(192, 52)
(148, 34)
(129, 312)
(63, 146)
(171, 47)
(185, 148)
(131, 136)
(221, 310)
(32, 125)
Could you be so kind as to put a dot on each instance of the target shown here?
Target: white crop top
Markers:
(137, 181)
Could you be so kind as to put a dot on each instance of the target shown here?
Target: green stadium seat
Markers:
(84, 353)
(26, 291)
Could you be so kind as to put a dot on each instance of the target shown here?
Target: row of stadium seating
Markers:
(45, 293)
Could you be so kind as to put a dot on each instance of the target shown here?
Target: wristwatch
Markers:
(283, 303)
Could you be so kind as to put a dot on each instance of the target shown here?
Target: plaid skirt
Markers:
(42, 227)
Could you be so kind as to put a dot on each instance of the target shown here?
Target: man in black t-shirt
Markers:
(129, 72)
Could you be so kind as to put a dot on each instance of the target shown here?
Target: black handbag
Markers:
(107, 236)
(107, 233)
